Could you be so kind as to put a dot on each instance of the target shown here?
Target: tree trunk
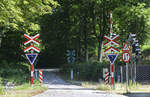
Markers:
(85, 40)
(79, 43)
(100, 50)
(102, 26)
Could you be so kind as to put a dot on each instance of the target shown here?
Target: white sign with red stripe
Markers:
(126, 57)
(111, 50)
(32, 48)
(126, 47)
(111, 40)
(31, 39)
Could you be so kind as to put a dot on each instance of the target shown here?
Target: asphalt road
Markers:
(59, 88)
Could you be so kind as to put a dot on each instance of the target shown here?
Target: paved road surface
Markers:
(59, 88)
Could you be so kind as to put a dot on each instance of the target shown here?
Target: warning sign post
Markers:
(31, 56)
(126, 57)
(112, 52)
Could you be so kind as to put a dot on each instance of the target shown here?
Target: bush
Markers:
(13, 72)
(91, 71)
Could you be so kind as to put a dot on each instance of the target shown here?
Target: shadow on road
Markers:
(70, 88)
(139, 94)
(53, 79)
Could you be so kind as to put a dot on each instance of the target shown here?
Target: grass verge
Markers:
(24, 90)
(119, 88)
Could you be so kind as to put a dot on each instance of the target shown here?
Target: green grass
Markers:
(24, 90)
(19, 75)
(119, 88)
(27, 86)
(22, 87)
(104, 87)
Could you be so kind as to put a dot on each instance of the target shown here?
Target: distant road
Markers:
(59, 88)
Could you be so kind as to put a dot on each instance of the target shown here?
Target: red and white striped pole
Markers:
(111, 23)
(32, 68)
(111, 65)
(112, 74)
(106, 77)
(41, 76)
(32, 74)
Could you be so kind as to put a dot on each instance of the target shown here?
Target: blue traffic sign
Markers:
(112, 57)
(31, 57)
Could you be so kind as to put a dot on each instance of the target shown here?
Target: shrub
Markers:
(91, 71)
(16, 73)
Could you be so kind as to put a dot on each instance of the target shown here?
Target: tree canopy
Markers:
(70, 24)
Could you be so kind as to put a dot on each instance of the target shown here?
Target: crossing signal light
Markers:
(135, 45)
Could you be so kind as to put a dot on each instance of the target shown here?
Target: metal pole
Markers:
(32, 75)
(127, 77)
(32, 69)
(121, 74)
(137, 58)
(114, 76)
(71, 76)
(36, 73)
(71, 71)
(110, 75)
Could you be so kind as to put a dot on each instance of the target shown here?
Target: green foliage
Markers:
(66, 28)
(11, 47)
(63, 25)
(130, 18)
(23, 15)
(145, 57)
(16, 18)
(91, 71)
(17, 73)
(1, 90)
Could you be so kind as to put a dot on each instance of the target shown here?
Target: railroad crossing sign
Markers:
(112, 58)
(71, 56)
(31, 39)
(111, 40)
(126, 57)
(111, 52)
(32, 48)
(126, 47)
(31, 57)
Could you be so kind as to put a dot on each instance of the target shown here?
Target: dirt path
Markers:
(59, 88)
